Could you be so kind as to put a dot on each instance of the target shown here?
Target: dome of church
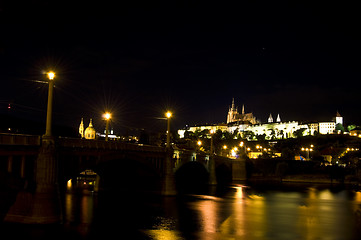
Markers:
(90, 131)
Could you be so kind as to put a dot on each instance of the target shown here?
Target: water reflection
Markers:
(241, 212)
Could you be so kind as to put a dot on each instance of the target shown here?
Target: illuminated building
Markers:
(246, 122)
(356, 132)
(339, 118)
(223, 127)
(326, 127)
(234, 116)
(111, 135)
(90, 132)
(81, 128)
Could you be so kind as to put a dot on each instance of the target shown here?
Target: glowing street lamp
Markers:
(307, 150)
(51, 76)
(168, 115)
(107, 116)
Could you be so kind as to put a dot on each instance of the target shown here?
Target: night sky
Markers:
(297, 58)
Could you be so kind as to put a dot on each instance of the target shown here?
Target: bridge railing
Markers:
(19, 139)
(108, 145)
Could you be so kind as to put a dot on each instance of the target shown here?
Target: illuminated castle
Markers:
(245, 123)
(234, 116)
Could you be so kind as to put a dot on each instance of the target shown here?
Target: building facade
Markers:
(246, 123)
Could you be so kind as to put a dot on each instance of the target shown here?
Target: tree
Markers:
(351, 127)
(339, 128)
(261, 137)
(299, 132)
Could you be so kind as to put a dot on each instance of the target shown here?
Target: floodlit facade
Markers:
(90, 131)
(246, 123)
(326, 127)
(214, 128)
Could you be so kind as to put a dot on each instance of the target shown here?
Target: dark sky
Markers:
(296, 58)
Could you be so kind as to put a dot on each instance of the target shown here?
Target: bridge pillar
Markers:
(239, 170)
(212, 170)
(168, 181)
(41, 206)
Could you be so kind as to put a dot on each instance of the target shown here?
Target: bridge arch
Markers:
(191, 176)
(129, 172)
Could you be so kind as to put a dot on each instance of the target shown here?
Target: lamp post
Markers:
(168, 115)
(168, 187)
(211, 165)
(211, 150)
(51, 76)
(107, 116)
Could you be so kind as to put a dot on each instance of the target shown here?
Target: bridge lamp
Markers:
(107, 116)
(168, 115)
(51, 76)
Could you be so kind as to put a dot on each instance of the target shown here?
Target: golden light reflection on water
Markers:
(208, 215)
(162, 234)
(78, 207)
(358, 196)
(245, 213)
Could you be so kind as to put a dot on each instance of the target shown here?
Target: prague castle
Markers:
(248, 126)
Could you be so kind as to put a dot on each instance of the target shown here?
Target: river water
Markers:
(236, 212)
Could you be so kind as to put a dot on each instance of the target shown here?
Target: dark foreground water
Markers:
(237, 212)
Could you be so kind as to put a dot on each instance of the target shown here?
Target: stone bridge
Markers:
(38, 167)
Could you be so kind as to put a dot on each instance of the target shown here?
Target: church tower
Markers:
(339, 118)
(81, 128)
(232, 113)
(90, 131)
(270, 118)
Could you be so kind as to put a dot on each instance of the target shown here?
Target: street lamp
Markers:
(51, 76)
(168, 115)
(211, 150)
(107, 116)
(307, 150)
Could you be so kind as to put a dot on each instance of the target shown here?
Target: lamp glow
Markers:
(107, 116)
(51, 75)
(168, 114)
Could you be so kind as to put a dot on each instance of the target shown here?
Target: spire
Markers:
(242, 108)
(270, 118)
(81, 128)
(278, 118)
(91, 123)
(233, 104)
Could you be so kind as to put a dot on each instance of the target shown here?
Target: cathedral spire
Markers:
(81, 128)
(242, 108)
(270, 118)
(278, 118)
